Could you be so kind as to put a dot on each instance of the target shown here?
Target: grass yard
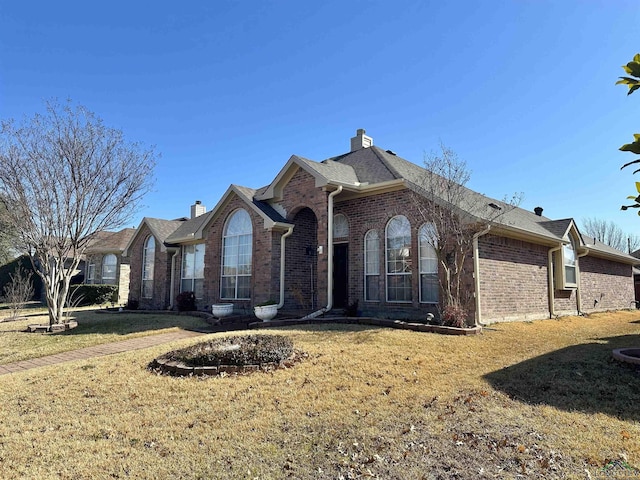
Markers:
(523, 400)
(93, 328)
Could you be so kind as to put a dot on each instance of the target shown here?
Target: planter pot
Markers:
(266, 312)
(220, 310)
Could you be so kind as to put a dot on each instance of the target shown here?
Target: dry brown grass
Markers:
(367, 403)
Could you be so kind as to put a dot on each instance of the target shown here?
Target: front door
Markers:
(340, 272)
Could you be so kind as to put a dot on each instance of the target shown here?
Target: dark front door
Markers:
(340, 272)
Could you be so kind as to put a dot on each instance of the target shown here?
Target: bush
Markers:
(186, 301)
(240, 351)
(454, 316)
(82, 295)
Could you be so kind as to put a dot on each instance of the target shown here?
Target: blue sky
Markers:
(227, 91)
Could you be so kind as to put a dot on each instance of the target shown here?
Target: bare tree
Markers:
(8, 238)
(453, 215)
(64, 176)
(19, 290)
(611, 234)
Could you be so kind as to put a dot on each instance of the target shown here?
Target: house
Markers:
(104, 262)
(325, 235)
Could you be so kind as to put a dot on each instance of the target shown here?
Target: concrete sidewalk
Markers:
(98, 351)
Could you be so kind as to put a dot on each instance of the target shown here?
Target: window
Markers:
(371, 266)
(398, 259)
(429, 284)
(91, 273)
(148, 257)
(565, 268)
(340, 226)
(109, 267)
(193, 270)
(237, 243)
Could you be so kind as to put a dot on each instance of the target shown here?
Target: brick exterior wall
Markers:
(611, 284)
(161, 273)
(373, 213)
(513, 279)
(514, 282)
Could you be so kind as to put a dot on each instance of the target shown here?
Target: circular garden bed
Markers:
(229, 355)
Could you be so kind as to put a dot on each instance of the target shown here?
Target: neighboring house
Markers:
(324, 235)
(105, 264)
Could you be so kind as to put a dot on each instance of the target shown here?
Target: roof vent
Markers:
(494, 206)
(538, 211)
(198, 209)
(391, 152)
(361, 140)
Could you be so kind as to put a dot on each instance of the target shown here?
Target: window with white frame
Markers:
(565, 267)
(429, 284)
(109, 267)
(193, 269)
(371, 266)
(91, 273)
(340, 226)
(398, 259)
(237, 244)
(148, 261)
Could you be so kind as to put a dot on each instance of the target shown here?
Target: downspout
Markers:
(330, 257)
(476, 272)
(551, 287)
(578, 299)
(172, 287)
(282, 264)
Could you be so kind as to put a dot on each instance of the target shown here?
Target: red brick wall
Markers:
(161, 273)
(611, 284)
(513, 279)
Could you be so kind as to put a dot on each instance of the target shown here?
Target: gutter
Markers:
(476, 272)
(329, 259)
(282, 265)
(550, 284)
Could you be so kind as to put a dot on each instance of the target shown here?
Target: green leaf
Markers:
(638, 187)
(633, 147)
(636, 57)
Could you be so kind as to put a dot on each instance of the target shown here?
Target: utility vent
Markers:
(494, 206)
(361, 140)
(538, 211)
(391, 152)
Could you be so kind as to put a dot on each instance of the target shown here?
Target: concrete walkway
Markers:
(98, 351)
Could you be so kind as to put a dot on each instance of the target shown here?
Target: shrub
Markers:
(82, 295)
(186, 301)
(454, 316)
(240, 350)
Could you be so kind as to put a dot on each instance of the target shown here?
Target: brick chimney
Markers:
(197, 209)
(360, 140)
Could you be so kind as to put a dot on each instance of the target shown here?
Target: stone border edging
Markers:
(634, 358)
(379, 322)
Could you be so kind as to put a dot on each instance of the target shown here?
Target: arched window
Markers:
(398, 254)
(429, 284)
(340, 226)
(148, 261)
(237, 242)
(371, 266)
(109, 266)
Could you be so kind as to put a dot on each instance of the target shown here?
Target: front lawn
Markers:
(366, 403)
(93, 328)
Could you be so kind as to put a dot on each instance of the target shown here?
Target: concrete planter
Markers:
(266, 312)
(220, 310)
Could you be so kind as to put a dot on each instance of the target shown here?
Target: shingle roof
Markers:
(162, 229)
(110, 241)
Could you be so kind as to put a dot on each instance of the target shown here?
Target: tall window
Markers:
(429, 285)
(237, 256)
(569, 260)
(148, 257)
(193, 269)
(109, 266)
(371, 266)
(398, 249)
(91, 273)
